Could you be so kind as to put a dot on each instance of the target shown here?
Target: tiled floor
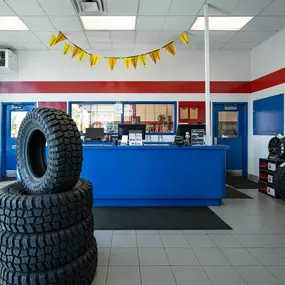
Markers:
(252, 253)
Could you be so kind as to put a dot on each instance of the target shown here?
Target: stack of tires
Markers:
(46, 220)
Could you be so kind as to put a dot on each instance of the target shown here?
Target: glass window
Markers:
(228, 124)
(158, 118)
(16, 119)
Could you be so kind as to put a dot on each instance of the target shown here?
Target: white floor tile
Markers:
(153, 256)
(121, 240)
(194, 232)
(199, 241)
(147, 232)
(210, 256)
(124, 256)
(174, 241)
(267, 256)
(278, 272)
(170, 232)
(103, 255)
(103, 238)
(252, 240)
(149, 240)
(124, 232)
(239, 256)
(101, 275)
(225, 241)
(190, 275)
(157, 275)
(273, 240)
(123, 275)
(181, 256)
(256, 275)
(281, 251)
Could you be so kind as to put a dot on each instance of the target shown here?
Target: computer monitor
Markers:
(125, 129)
(94, 133)
(183, 129)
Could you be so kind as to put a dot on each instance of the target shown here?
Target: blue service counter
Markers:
(156, 175)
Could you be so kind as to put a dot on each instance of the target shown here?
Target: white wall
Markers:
(265, 58)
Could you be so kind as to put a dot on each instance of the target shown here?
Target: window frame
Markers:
(70, 103)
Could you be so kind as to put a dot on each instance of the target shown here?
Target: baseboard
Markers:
(253, 178)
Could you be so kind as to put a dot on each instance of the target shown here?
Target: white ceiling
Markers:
(158, 22)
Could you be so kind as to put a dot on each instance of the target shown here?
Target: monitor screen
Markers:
(125, 129)
(183, 129)
(94, 133)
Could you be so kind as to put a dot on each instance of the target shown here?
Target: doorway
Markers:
(230, 128)
(12, 117)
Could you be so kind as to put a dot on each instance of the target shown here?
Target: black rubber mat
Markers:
(232, 193)
(240, 182)
(8, 179)
(157, 218)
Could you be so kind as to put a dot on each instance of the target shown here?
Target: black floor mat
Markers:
(8, 179)
(240, 182)
(232, 193)
(157, 218)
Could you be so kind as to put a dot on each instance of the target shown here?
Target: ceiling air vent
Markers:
(90, 7)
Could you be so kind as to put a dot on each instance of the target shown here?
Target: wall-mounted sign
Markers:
(197, 137)
(17, 107)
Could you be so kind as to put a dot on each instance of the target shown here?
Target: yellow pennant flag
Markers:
(76, 51)
(157, 54)
(60, 38)
(67, 48)
(134, 61)
(52, 40)
(112, 62)
(170, 48)
(127, 62)
(82, 55)
(153, 56)
(183, 38)
(142, 59)
(94, 59)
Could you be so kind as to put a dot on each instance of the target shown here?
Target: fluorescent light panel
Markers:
(221, 23)
(12, 23)
(106, 23)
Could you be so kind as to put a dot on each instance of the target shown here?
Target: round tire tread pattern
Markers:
(39, 252)
(23, 213)
(79, 272)
(64, 151)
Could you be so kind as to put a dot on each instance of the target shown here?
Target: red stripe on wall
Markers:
(123, 87)
(269, 80)
(56, 105)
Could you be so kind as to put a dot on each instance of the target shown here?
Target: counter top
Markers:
(155, 147)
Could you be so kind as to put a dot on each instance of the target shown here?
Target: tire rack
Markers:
(267, 170)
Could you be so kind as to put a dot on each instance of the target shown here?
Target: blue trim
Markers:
(245, 127)
(174, 103)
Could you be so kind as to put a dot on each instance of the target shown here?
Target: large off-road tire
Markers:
(58, 131)
(79, 272)
(45, 251)
(279, 181)
(21, 212)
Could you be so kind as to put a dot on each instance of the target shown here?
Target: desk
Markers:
(156, 175)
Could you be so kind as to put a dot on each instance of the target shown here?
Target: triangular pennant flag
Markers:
(170, 48)
(153, 56)
(60, 38)
(183, 38)
(67, 48)
(157, 54)
(112, 62)
(52, 40)
(142, 59)
(76, 51)
(134, 61)
(94, 59)
(82, 55)
(127, 62)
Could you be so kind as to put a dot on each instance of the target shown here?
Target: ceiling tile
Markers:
(122, 7)
(250, 7)
(66, 23)
(5, 10)
(38, 23)
(26, 7)
(265, 23)
(157, 7)
(221, 36)
(58, 7)
(76, 37)
(28, 46)
(214, 45)
(178, 23)
(45, 36)
(150, 23)
(147, 36)
(252, 36)
(123, 46)
(221, 7)
(101, 46)
(98, 36)
(168, 36)
(148, 46)
(274, 9)
(185, 7)
(18, 37)
(122, 36)
(60, 46)
(239, 46)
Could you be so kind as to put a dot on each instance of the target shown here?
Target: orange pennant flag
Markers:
(134, 61)
(157, 54)
(153, 56)
(60, 38)
(76, 51)
(170, 48)
(112, 62)
(52, 40)
(67, 48)
(142, 59)
(94, 59)
(183, 38)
